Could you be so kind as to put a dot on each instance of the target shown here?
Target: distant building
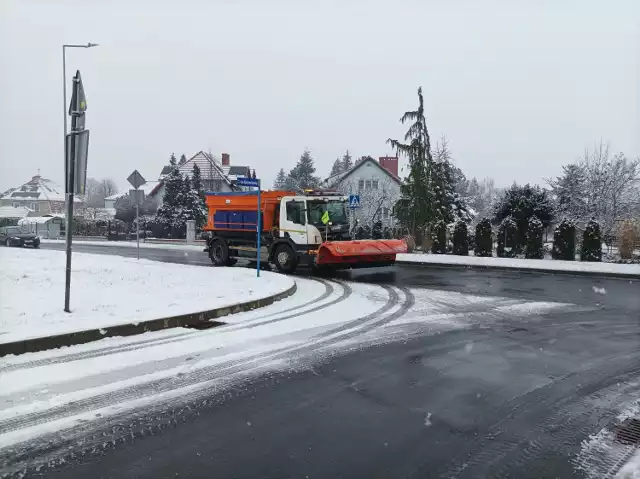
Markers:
(378, 185)
(41, 196)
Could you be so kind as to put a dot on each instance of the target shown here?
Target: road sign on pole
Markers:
(75, 164)
(136, 180)
(354, 201)
(248, 182)
(255, 183)
(259, 227)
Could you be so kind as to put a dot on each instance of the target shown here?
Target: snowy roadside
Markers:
(110, 290)
(631, 470)
(630, 270)
(131, 244)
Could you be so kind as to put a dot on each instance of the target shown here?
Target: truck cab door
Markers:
(293, 220)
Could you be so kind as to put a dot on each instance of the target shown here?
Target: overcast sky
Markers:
(518, 87)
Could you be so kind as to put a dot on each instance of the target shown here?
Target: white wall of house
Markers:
(378, 192)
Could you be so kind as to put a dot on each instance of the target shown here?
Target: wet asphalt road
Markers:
(507, 399)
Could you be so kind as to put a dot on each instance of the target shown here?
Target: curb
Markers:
(597, 274)
(184, 320)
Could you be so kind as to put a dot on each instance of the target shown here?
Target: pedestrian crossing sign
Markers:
(325, 218)
(354, 201)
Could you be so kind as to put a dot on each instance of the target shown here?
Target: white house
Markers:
(378, 185)
(41, 195)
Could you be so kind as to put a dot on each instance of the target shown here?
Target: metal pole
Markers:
(64, 99)
(137, 226)
(71, 167)
(259, 230)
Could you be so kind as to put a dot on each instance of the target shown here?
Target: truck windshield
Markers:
(337, 211)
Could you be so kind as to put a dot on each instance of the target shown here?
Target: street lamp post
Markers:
(68, 185)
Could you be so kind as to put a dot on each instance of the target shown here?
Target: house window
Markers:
(374, 184)
(15, 204)
(385, 213)
(360, 184)
(367, 184)
(35, 206)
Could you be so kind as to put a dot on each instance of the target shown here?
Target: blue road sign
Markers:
(248, 182)
(354, 201)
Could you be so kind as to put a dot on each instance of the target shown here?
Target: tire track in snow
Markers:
(182, 336)
(199, 376)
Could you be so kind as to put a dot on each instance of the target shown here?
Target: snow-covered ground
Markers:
(632, 469)
(131, 244)
(118, 380)
(111, 290)
(550, 265)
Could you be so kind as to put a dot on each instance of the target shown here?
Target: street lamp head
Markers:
(89, 45)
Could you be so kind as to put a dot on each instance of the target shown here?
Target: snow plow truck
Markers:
(311, 229)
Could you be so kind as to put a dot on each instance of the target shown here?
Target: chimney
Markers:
(226, 160)
(389, 163)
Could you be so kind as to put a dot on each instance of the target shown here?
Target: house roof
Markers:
(210, 168)
(38, 189)
(14, 212)
(150, 188)
(335, 179)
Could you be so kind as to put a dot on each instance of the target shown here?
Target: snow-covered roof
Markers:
(14, 212)
(41, 220)
(210, 167)
(149, 188)
(38, 188)
(335, 179)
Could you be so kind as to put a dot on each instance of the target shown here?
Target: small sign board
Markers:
(136, 179)
(137, 196)
(81, 139)
(248, 182)
(354, 201)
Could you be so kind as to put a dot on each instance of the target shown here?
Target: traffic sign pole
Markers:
(259, 231)
(136, 180)
(254, 182)
(137, 226)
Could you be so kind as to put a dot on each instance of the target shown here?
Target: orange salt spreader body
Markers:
(296, 230)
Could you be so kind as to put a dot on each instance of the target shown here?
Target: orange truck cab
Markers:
(310, 230)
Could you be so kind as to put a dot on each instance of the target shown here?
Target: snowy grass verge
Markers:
(519, 264)
(109, 291)
(131, 244)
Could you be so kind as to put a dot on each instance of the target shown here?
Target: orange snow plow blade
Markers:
(359, 253)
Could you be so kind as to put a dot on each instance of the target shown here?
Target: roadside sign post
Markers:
(254, 182)
(76, 151)
(354, 204)
(136, 180)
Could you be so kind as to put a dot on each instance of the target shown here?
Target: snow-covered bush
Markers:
(439, 237)
(564, 241)
(507, 238)
(484, 240)
(460, 239)
(411, 243)
(591, 242)
(533, 249)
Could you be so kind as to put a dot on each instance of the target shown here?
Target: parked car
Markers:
(14, 236)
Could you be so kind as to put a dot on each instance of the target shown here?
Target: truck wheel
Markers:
(219, 252)
(285, 259)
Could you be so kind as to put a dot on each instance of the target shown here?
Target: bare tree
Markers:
(612, 186)
(109, 186)
(375, 203)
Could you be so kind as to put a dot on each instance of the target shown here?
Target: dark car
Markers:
(14, 236)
